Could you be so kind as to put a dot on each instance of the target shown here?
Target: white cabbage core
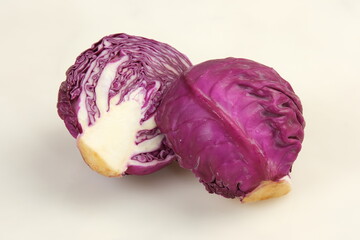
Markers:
(113, 135)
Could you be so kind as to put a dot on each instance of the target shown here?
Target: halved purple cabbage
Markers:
(237, 125)
(120, 70)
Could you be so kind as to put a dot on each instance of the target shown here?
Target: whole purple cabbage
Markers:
(109, 100)
(237, 125)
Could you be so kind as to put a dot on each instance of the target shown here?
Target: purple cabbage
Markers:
(235, 123)
(145, 68)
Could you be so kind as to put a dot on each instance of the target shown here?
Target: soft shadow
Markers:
(59, 172)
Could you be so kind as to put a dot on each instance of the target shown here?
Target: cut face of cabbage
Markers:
(109, 100)
(268, 189)
(109, 144)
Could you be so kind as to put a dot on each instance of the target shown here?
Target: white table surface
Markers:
(47, 192)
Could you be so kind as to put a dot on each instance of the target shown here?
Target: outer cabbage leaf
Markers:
(237, 125)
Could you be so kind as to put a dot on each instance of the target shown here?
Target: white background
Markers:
(47, 192)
